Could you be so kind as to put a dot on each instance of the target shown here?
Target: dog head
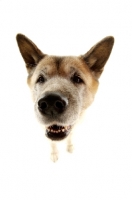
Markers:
(63, 87)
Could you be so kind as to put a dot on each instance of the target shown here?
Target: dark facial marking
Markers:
(58, 62)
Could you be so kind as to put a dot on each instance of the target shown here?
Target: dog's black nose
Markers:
(52, 103)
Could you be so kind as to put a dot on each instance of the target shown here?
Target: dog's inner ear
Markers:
(29, 51)
(98, 55)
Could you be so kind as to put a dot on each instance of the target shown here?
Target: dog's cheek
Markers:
(87, 98)
(74, 109)
(75, 104)
(34, 93)
(37, 92)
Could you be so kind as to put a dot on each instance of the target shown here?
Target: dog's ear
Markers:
(29, 51)
(98, 55)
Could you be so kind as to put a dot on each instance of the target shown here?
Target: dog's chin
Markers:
(57, 132)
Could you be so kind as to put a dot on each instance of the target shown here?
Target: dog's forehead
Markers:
(52, 65)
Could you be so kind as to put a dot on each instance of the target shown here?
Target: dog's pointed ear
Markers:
(98, 55)
(29, 51)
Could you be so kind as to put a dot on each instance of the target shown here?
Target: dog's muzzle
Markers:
(51, 105)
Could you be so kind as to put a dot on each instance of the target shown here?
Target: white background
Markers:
(101, 166)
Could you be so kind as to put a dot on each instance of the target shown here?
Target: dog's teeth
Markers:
(48, 129)
(57, 129)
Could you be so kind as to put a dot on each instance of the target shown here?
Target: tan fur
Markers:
(75, 78)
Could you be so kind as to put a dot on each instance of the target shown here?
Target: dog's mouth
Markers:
(56, 132)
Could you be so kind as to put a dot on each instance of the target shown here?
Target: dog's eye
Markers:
(40, 79)
(77, 79)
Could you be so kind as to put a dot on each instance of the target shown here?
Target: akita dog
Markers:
(62, 87)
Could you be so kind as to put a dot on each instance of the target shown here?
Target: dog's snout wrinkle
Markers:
(52, 104)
